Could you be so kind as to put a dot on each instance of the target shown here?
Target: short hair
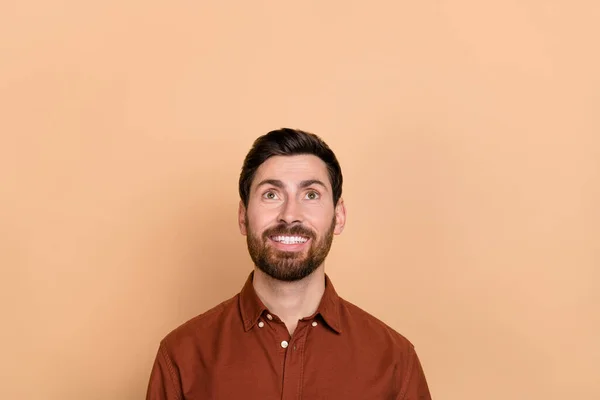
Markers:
(289, 142)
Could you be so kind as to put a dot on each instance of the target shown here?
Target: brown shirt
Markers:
(239, 350)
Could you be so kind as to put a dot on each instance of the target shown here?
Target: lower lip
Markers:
(289, 247)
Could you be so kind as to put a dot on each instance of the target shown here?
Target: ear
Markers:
(340, 217)
(242, 218)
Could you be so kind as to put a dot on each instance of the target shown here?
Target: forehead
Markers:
(293, 169)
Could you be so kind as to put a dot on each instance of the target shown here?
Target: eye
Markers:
(270, 195)
(312, 195)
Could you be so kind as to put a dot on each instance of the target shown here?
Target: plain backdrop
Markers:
(469, 137)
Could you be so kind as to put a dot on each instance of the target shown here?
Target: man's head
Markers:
(291, 206)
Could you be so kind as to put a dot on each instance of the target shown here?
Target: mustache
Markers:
(289, 230)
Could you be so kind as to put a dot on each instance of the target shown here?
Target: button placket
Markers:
(294, 362)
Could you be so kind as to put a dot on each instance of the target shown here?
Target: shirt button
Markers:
(314, 323)
(284, 344)
(269, 317)
(261, 324)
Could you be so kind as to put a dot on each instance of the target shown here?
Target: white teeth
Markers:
(290, 239)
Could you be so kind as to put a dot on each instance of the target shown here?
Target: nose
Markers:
(291, 212)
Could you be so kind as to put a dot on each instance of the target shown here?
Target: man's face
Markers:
(291, 219)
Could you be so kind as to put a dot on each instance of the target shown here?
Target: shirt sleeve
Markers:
(413, 385)
(164, 381)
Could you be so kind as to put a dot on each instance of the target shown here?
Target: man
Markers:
(287, 334)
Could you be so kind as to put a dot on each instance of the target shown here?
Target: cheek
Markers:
(321, 221)
(259, 220)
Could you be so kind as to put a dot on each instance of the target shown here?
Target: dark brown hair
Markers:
(289, 142)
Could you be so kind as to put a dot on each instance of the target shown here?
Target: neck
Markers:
(290, 301)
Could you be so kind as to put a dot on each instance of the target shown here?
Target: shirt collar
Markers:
(252, 308)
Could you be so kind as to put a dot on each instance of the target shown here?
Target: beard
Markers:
(288, 266)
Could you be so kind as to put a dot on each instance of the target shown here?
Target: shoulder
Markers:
(204, 325)
(356, 319)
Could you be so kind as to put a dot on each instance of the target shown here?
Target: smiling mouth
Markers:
(289, 239)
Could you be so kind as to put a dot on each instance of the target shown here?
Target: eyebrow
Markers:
(303, 184)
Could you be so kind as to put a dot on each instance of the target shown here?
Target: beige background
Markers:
(469, 136)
